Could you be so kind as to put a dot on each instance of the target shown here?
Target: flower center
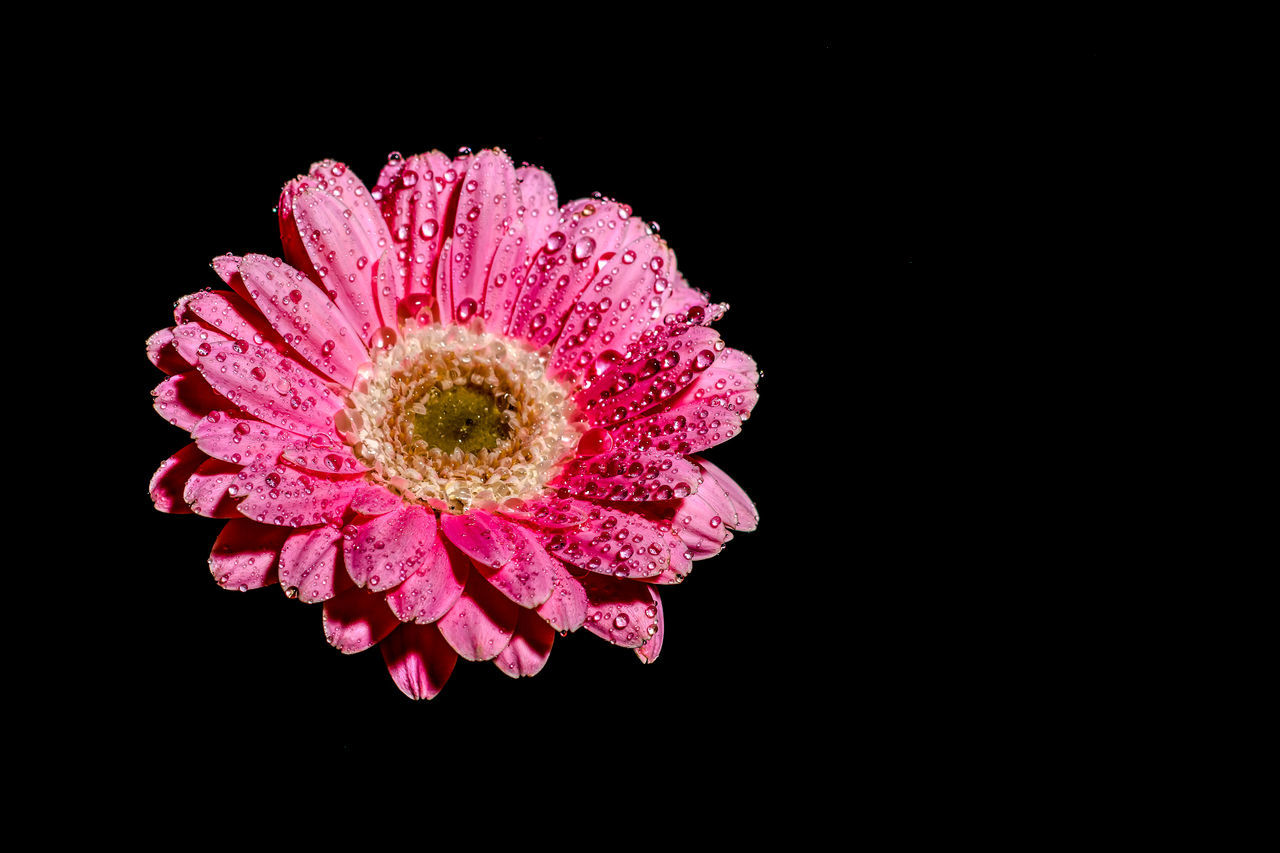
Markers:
(455, 418)
(462, 417)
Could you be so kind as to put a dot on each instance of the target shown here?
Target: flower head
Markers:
(461, 416)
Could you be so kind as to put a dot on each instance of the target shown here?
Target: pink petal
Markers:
(485, 209)
(686, 426)
(418, 659)
(242, 441)
(244, 555)
(230, 313)
(536, 217)
(548, 513)
(480, 624)
(566, 608)
(271, 387)
(162, 352)
(744, 509)
(623, 612)
(648, 653)
(170, 480)
(312, 325)
(291, 498)
(356, 620)
(373, 499)
(188, 337)
(321, 454)
(630, 476)
(309, 564)
(184, 398)
(414, 197)
(664, 361)
(529, 648)
(615, 542)
(343, 253)
(479, 536)
(627, 300)
(700, 524)
(212, 489)
(387, 549)
(430, 593)
(570, 267)
(683, 297)
(528, 575)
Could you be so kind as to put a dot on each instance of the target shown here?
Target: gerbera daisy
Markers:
(461, 416)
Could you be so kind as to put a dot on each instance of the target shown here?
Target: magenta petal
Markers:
(389, 548)
(687, 426)
(630, 476)
(309, 567)
(170, 480)
(528, 575)
(615, 542)
(163, 353)
(486, 208)
(213, 488)
(418, 660)
(184, 398)
(648, 653)
(623, 612)
(312, 325)
(271, 387)
(230, 313)
(700, 521)
(586, 237)
(188, 338)
(662, 363)
(244, 555)
(356, 620)
(343, 253)
(480, 624)
(414, 196)
(242, 441)
(373, 499)
(566, 608)
(322, 454)
(291, 498)
(744, 509)
(479, 536)
(529, 648)
(683, 297)
(628, 299)
(429, 593)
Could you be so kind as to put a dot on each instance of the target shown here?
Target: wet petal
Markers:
(480, 623)
(244, 555)
(528, 575)
(429, 593)
(170, 480)
(271, 387)
(418, 659)
(309, 564)
(184, 398)
(744, 509)
(387, 549)
(242, 441)
(623, 612)
(291, 498)
(616, 542)
(479, 536)
(630, 476)
(213, 488)
(310, 323)
(529, 648)
(356, 620)
(566, 608)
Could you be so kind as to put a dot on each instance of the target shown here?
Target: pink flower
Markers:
(462, 417)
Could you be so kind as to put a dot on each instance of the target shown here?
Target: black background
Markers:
(805, 179)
